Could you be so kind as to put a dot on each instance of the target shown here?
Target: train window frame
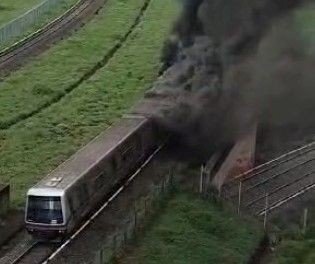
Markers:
(70, 203)
(99, 180)
(40, 210)
(127, 153)
(113, 163)
(84, 196)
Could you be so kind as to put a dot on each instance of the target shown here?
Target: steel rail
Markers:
(270, 179)
(286, 199)
(275, 176)
(283, 186)
(25, 253)
(275, 162)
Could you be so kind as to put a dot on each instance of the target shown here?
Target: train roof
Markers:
(48, 192)
(87, 157)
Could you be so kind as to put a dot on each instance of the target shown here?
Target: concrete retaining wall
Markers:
(240, 159)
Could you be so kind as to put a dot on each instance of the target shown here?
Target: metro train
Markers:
(65, 197)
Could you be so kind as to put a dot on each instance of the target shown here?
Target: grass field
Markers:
(12, 8)
(31, 148)
(305, 20)
(297, 246)
(295, 252)
(191, 230)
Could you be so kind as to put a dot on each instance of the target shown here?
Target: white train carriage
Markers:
(59, 202)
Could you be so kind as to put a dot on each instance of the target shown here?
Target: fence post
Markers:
(305, 213)
(201, 179)
(266, 211)
(99, 257)
(163, 186)
(239, 197)
(170, 177)
(135, 217)
(125, 234)
(114, 244)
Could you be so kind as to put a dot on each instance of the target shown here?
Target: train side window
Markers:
(76, 201)
(70, 202)
(114, 163)
(83, 194)
(99, 181)
(138, 142)
(127, 154)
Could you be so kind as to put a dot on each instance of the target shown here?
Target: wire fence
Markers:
(298, 217)
(134, 220)
(20, 25)
(274, 196)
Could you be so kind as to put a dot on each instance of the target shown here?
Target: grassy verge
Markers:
(193, 230)
(32, 148)
(50, 76)
(294, 251)
(296, 244)
(305, 20)
(47, 17)
(11, 9)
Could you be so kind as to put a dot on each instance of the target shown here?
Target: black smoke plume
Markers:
(232, 63)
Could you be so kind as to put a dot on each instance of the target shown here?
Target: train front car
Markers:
(45, 214)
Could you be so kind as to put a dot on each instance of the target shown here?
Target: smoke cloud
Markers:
(231, 63)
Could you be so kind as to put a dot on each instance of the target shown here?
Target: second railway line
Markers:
(15, 56)
(275, 183)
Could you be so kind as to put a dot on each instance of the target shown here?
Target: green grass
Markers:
(47, 17)
(305, 21)
(50, 75)
(296, 246)
(295, 252)
(10, 9)
(29, 150)
(191, 230)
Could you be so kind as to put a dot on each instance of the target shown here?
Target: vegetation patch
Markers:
(305, 21)
(297, 240)
(295, 251)
(194, 230)
(35, 146)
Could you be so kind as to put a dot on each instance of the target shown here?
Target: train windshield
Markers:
(44, 210)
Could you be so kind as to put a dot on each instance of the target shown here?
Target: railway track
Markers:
(267, 188)
(35, 252)
(26, 251)
(287, 199)
(15, 56)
